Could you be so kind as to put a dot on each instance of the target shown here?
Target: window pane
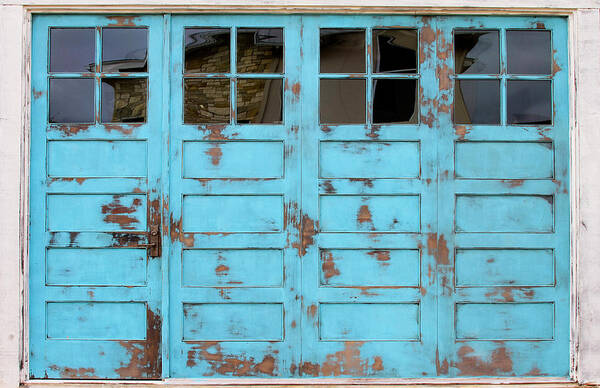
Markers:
(259, 101)
(528, 52)
(395, 51)
(529, 102)
(71, 100)
(342, 51)
(342, 101)
(72, 50)
(260, 50)
(206, 101)
(207, 50)
(477, 102)
(395, 101)
(124, 49)
(124, 100)
(476, 52)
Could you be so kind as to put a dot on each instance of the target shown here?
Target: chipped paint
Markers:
(145, 359)
(229, 364)
(471, 365)
(116, 213)
(328, 265)
(346, 362)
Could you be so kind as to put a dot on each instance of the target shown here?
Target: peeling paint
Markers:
(145, 359)
(229, 364)
(346, 362)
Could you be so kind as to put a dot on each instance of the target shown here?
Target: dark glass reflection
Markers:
(259, 101)
(528, 52)
(395, 51)
(207, 50)
(206, 101)
(342, 51)
(476, 52)
(124, 100)
(260, 50)
(124, 49)
(477, 102)
(394, 101)
(342, 101)
(71, 100)
(72, 50)
(529, 102)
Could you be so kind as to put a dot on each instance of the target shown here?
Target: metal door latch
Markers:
(154, 241)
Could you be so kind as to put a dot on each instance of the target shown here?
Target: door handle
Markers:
(154, 245)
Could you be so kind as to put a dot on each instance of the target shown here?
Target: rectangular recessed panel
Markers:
(96, 212)
(233, 322)
(235, 159)
(504, 213)
(369, 321)
(96, 320)
(367, 267)
(97, 158)
(368, 159)
(504, 267)
(504, 321)
(380, 213)
(504, 160)
(96, 266)
(232, 267)
(232, 213)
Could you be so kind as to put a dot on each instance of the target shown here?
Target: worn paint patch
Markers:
(230, 364)
(505, 294)
(328, 266)
(438, 248)
(73, 373)
(215, 153)
(471, 365)
(122, 21)
(347, 362)
(116, 213)
(145, 359)
(364, 215)
(382, 257)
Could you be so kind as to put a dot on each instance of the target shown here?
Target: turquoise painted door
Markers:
(336, 195)
(95, 197)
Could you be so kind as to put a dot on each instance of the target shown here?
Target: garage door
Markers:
(217, 196)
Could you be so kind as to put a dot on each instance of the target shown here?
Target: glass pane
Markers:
(124, 49)
(342, 51)
(477, 102)
(395, 51)
(528, 52)
(259, 100)
(395, 101)
(342, 101)
(260, 50)
(72, 50)
(207, 50)
(71, 100)
(476, 52)
(529, 102)
(206, 101)
(124, 100)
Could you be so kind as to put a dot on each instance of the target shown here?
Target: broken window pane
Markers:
(477, 102)
(124, 100)
(476, 52)
(206, 101)
(342, 51)
(529, 102)
(72, 50)
(342, 101)
(259, 101)
(395, 51)
(260, 50)
(207, 50)
(71, 100)
(395, 101)
(124, 49)
(528, 52)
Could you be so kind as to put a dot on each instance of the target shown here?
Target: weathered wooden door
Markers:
(96, 153)
(338, 196)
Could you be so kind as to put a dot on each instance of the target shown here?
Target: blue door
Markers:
(96, 174)
(219, 196)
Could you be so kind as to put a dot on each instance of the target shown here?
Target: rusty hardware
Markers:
(154, 245)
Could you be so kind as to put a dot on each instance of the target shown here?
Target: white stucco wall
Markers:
(585, 168)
